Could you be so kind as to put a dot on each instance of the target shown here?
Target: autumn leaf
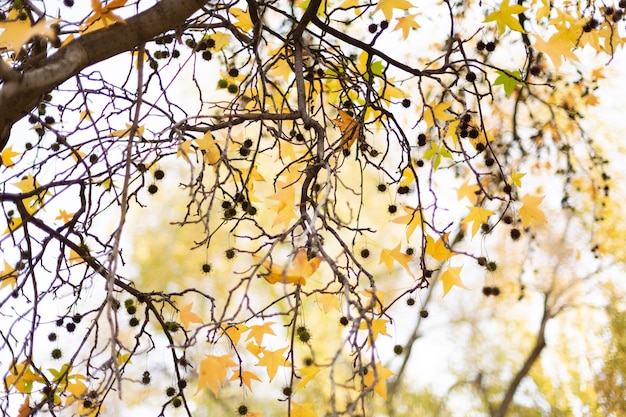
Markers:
(437, 111)
(105, 13)
(468, 191)
(64, 216)
(302, 410)
(376, 326)
(477, 216)
(516, 177)
(308, 372)
(350, 130)
(212, 372)
(543, 11)
(387, 256)
(8, 276)
(556, 49)
(272, 359)
(377, 379)
(24, 410)
(328, 302)
(406, 23)
(437, 250)
(258, 331)
(300, 269)
(209, 148)
(17, 33)
(504, 17)
(508, 80)
(451, 277)
(530, 213)
(7, 156)
(22, 377)
(187, 316)
(244, 22)
(387, 6)
(246, 377)
(412, 219)
(234, 331)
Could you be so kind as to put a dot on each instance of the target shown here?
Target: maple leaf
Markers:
(387, 256)
(437, 111)
(187, 316)
(309, 373)
(64, 216)
(387, 6)
(543, 11)
(328, 302)
(302, 410)
(17, 33)
(377, 380)
(105, 13)
(508, 80)
(412, 219)
(7, 156)
(257, 331)
(350, 130)
(272, 359)
(530, 213)
(126, 132)
(8, 276)
(300, 269)
(504, 17)
(255, 349)
(406, 23)
(468, 191)
(209, 148)
(377, 326)
(516, 177)
(244, 22)
(477, 216)
(451, 277)
(556, 49)
(234, 331)
(21, 376)
(246, 377)
(437, 250)
(24, 410)
(212, 372)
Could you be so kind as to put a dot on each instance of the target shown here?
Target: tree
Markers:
(313, 147)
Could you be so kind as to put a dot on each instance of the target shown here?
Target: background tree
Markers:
(320, 161)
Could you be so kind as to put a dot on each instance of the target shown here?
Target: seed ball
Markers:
(131, 309)
(232, 88)
(159, 174)
(152, 188)
(421, 139)
(487, 291)
(373, 27)
(365, 253)
(381, 188)
(70, 327)
(207, 55)
(406, 103)
(133, 322)
(384, 24)
(480, 45)
(242, 410)
(343, 321)
(233, 72)
(491, 46)
(424, 314)
(470, 77)
(410, 301)
(56, 353)
(206, 268)
(68, 3)
(177, 402)
(52, 337)
(392, 208)
(515, 234)
(397, 349)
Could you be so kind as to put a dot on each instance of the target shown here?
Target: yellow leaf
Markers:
(408, 177)
(556, 49)
(477, 216)
(272, 359)
(328, 302)
(16, 33)
(243, 18)
(451, 277)
(516, 177)
(187, 316)
(257, 331)
(530, 213)
(75, 257)
(387, 6)
(437, 111)
(437, 250)
(8, 276)
(22, 377)
(406, 23)
(350, 130)
(308, 372)
(246, 377)
(234, 331)
(7, 156)
(377, 326)
(126, 132)
(544, 10)
(221, 40)
(504, 17)
(300, 269)
(412, 219)
(377, 379)
(387, 256)
(212, 372)
(123, 358)
(468, 191)
(209, 148)
(105, 13)
(64, 216)
(302, 410)
(255, 349)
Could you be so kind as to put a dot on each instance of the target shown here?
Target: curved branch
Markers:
(19, 96)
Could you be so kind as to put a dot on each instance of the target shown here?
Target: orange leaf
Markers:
(350, 130)
(257, 331)
(234, 331)
(212, 372)
(187, 316)
(246, 377)
(24, 410)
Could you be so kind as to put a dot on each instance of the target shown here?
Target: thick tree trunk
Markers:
(21, 94)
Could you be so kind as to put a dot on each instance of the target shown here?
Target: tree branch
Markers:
(19, 95)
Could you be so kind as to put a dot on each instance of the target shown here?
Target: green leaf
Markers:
(508, 80)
